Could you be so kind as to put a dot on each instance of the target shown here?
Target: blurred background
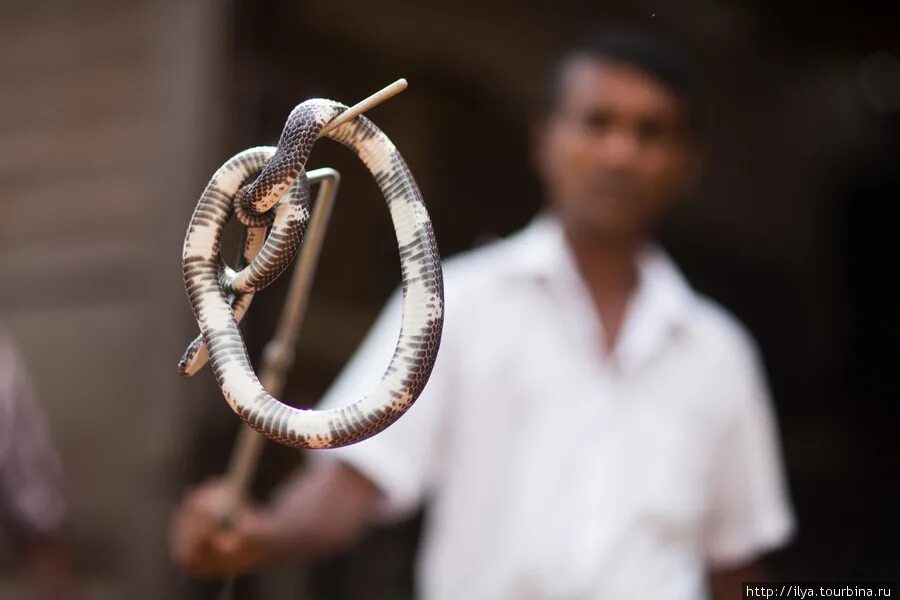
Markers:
(113, 115)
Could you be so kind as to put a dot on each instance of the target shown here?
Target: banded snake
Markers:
(266, 187)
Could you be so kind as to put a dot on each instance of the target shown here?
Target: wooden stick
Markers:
(367, 104)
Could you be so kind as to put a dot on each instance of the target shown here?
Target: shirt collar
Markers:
(661, 303)
(540, 249)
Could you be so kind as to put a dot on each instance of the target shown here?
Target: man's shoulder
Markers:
(711, 329)
(487, 264)
(723, 334)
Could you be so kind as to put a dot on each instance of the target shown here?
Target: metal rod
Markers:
(278, 355)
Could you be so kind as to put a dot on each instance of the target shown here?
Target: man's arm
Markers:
(319, 511)
(749, 513)
(725, 584)
(327, 506)
(49, 569)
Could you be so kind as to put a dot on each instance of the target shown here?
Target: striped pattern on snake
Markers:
(213, 288)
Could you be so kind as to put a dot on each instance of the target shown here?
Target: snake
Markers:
(254, 235)
(266, 188)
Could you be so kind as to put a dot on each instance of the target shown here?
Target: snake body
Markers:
(283, 238)
(219, 295)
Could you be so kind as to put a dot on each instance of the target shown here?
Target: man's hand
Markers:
(49, 568)
(206, 547)
(319, 511)
(725, 584)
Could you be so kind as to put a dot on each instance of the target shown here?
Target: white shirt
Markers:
(554, 471)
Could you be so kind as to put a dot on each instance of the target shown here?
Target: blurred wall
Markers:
(105, 112)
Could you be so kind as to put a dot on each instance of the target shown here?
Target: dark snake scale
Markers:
(253, 185)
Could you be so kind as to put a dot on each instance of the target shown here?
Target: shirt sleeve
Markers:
(401, 461)
(750, 513)
(31, 497)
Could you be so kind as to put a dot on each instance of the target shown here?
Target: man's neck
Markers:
(608, 265)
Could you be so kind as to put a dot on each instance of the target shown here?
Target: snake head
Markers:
(302, 129)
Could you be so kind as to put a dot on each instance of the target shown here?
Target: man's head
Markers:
(615, 145)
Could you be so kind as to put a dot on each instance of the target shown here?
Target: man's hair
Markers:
(647, 52)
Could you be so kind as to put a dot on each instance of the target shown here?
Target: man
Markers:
(593, 428)
(32, 506)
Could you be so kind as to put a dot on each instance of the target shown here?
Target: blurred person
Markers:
(593, 427)
(32, 505)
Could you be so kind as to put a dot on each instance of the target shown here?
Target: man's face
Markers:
(615, 153)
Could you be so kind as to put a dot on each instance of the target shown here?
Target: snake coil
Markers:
(252, 185)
